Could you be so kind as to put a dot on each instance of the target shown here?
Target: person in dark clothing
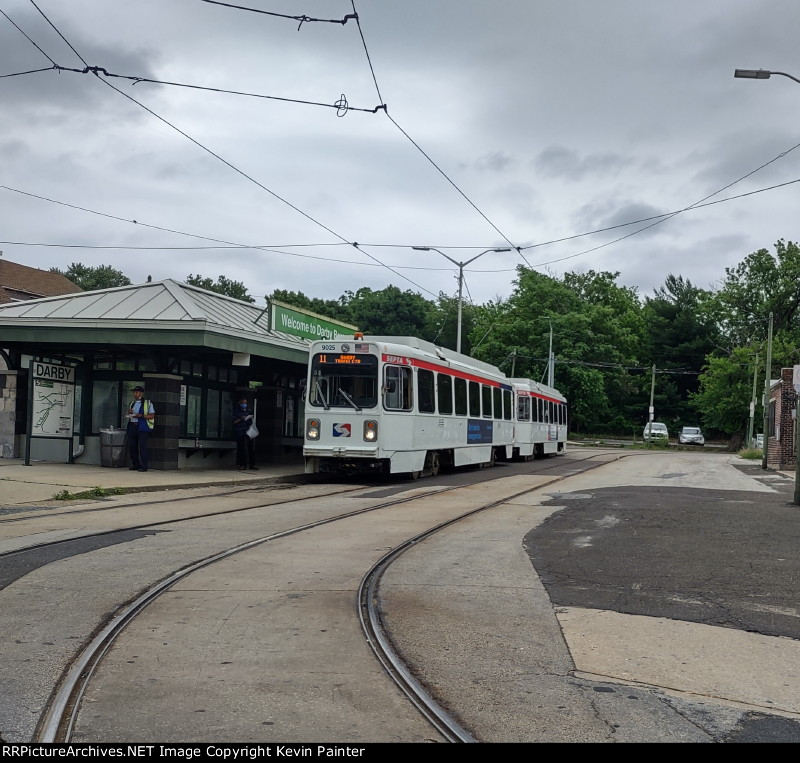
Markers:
(141, 419)
(245, 446)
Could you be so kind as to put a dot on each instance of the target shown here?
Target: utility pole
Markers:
(752, 406)
(652, 392)
(513, 361)
(796, 382)
(766, 395)
(550, 360)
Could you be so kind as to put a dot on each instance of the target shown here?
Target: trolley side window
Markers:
(461, 396)
(425, 397)
(445, 394)
(487, 401)
(523, 408)
(397, 388)
(497, 399)
(507, 404)
(474, 399)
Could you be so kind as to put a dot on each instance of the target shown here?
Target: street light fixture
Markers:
(461, 266)
(760, 74)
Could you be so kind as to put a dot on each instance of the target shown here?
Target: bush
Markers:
(752, 454)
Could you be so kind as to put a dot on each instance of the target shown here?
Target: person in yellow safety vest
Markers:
(141, 420)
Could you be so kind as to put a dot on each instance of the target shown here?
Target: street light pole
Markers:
(461, 266)
(759, 74)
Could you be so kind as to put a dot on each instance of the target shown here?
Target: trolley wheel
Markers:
(538, 451)
(415, 475)
(432, 463)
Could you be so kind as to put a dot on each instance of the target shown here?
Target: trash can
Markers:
(113, 447)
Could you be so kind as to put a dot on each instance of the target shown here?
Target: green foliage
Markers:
(726, 391)
(92, 278)
(390, 312)
(762, 283)
(222, 285)
(328, 308)
(751, 454)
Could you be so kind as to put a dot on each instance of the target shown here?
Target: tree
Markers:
(328, 308)
(680, 332)
(92, 278)
(725, 392)
(390, 312)
(222, 285)
(762, 283)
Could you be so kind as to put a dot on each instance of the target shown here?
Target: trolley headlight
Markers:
(312, 429)
(370, 430)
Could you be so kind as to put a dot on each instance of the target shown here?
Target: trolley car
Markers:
(403, 405)
(541, 420)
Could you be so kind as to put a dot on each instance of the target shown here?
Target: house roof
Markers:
(19, 282)
(155, 313)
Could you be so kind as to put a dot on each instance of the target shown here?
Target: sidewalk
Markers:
(38, 483)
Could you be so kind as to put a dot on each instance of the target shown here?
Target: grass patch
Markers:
(95, 492)
(752, 454)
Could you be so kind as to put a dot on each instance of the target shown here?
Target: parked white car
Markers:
(655, 431)
(758, 441)
(691, 436)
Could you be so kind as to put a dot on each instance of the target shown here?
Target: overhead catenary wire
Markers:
(236, 169)
(341, 105)
(233, 245)
(302, 19)
(419, 148)
(28, 38)
(344, 241)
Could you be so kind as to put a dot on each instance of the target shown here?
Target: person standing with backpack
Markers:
(141, 420)
(243, 418)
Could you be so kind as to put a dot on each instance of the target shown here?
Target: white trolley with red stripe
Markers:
(540, 426)
(404, 405)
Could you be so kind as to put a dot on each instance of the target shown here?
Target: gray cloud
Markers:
(558, 161)
(552, 120)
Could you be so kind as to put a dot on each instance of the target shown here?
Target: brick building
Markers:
(782, 427)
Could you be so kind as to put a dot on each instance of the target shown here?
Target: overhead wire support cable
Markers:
(341, 105)
(28, 38)
(55, 29)
(303, 19)
(260, 185)
(232, 166)
(419, 148)
(32, 71)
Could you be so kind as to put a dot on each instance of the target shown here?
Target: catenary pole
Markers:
(768, 372)
(753, 405)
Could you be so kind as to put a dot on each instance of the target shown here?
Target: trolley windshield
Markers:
(340, 380)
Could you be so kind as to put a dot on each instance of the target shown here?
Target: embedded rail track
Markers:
(57, 722)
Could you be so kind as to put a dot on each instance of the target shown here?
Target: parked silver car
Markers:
(691, 436)
(758, 441)
(655, 431)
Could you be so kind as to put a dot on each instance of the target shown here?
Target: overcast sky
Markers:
(508, 123)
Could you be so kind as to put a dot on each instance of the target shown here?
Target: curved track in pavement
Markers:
(57, 723)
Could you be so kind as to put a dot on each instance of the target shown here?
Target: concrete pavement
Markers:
(40, 483)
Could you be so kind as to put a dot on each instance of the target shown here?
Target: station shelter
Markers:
(72, 360)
